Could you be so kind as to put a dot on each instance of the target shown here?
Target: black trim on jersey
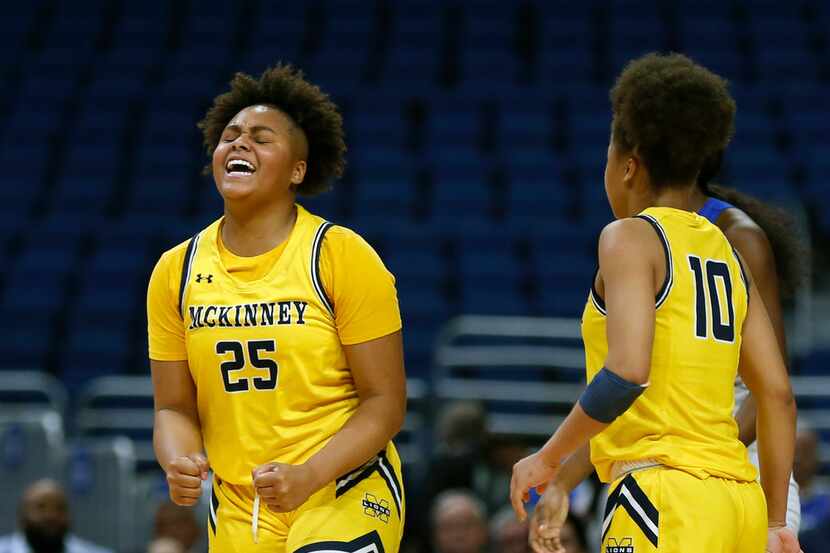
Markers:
(388, 475)
(743, 273)
(367, 543)
(636, 503)
(352, 479)
(187, 264)
(599, 303)
(213, 509)
(315, 265)
(663, 293)
(379, 464)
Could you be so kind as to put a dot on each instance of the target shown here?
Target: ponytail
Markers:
(788, 247)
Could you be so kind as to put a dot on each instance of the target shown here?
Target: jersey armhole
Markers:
(187, 264)
(744, 276)
(316, 251)
(664, 290)
(596, 298)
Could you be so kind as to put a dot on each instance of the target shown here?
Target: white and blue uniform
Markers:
(712, 211)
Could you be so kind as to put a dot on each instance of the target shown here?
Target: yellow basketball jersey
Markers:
(684, 418)
(272, 380)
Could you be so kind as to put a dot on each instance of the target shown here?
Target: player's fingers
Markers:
(183, 501)
(184, 481)
(541, 545)
(267, 478)
(789, 541)
(540, 489)
(187, 494)
(276, 507)
(180, 497)
(537, 544)
(516, 500)
(267, 468)
(185, 465)
(201, 463)
(259, 471)
(268, 493)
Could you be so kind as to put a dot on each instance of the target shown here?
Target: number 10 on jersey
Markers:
(254, 349)
(706, 279)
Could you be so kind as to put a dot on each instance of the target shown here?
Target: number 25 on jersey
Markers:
(234, 383)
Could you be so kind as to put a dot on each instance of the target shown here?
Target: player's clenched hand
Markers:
(782, 540)
(547, 520)
(184, 478)
(283, 487)
(530, 472)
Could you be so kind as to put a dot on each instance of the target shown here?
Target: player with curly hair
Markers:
(672, 317)
(275, 341)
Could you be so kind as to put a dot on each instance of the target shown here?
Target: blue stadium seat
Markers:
(93, 352)
(140, 32)
(453, 121)
(422, 302)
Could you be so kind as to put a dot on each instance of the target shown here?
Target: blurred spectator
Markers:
(492, 477)
(573, 536)
(165, 545)
(459, 523)
(507, 533)
(815, 496)
(467, 456)
(461, 438)
(44, 524)
(177, 523)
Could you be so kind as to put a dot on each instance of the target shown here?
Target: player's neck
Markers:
(697, 199)
(675, 197)
(255, 232)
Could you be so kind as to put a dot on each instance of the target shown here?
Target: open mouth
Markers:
(239, 168)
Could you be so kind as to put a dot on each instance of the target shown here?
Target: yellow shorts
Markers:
(361, 511)
(671, 511)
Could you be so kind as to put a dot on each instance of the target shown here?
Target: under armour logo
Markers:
(200, 277)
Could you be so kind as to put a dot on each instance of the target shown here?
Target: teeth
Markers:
(234, 164)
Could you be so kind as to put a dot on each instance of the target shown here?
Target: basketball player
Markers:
(766, 239)
(671, 311)
(275, 341)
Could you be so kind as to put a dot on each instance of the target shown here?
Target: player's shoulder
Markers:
(344, 247)
(735, 223)
(628, 241)
(344, 238)
(173, 257)
(626, 235)
(744, 234)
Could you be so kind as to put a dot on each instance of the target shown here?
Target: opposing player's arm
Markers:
(751, 242)
(762, 368)
(575, 469)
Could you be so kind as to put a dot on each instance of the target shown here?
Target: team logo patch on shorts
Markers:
(622, 546)
(376, 508)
